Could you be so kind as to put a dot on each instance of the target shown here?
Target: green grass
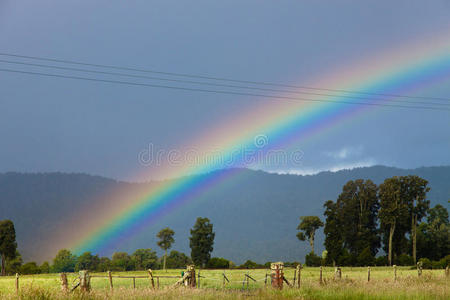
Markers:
(431, 285)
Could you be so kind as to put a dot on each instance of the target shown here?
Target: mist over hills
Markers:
(255, 215)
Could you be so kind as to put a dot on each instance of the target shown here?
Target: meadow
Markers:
(433, 284)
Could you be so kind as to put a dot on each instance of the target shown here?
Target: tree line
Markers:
(366, 218)
(201, 244)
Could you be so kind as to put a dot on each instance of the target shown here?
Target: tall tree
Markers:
(8, 244)
(308, 226)
(393, 209)
(64, 261)
(357, 211)
(165, 241)
(333, 234)
(418, 205)
(201, 241)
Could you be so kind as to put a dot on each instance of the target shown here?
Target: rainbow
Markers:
(408, 69)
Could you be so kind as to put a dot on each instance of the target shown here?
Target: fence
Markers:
(192, 279)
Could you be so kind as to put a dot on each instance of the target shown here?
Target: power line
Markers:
(222, 78)
(214, 84)
(217, 91)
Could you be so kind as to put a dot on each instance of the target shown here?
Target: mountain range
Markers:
(254, 217)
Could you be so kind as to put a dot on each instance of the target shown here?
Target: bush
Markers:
(218, 263)
(365, 258)
(312, 260)
(30, 268)
(250, 265)
(381, 261)
(45, 268)
(346, 259)
(404, 260)
(176, 260)
(426, 263)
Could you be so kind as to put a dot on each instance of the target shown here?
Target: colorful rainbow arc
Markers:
(408, 69)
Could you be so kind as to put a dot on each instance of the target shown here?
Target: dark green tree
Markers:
(45, 268)
(144, 259)
(8, 244)
(64, 261)
(13, 265)
(393, 212)
(333, 234)
(87, 261)
(418, 205)
(308, 226)
(104, 264)
(433, 236)
(30, 268)
(357, 211)
(177, 260)
(121, 261)
(201, 241)
(165, 241)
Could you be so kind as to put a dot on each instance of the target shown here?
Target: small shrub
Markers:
(381, 261)
(404, 260)
(365, 258)
(218, 263)
(426, 263)
(250, 265)
(312, 260)
(30, 268)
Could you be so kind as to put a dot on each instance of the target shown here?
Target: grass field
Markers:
(431, 285)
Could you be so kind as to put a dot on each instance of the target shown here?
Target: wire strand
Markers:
(218, 91)
(222, 78)
(216, 84)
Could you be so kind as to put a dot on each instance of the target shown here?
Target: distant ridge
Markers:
(254, 218)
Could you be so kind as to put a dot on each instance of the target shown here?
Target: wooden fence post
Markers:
(134, 282)
(85, 281)
(265, 281)
(64, 283)
(320, 275)
(110, 280)
(299, 272)
(395, 272)
(368, 274)
(419, 268)
(198, 284)
(277, 275)
(17, 283)
(447, 272)
(150, 276)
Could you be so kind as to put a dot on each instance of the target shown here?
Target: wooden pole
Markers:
(447, 272)
(198, 284)
(134, 282)
(157, 282)
(368, 274)
(295, 276)
(320, 275)
(419, 269)
(110, 280)
(17, 283)
(395, 272)
(150, 276)
(64, 283)
(299, 271)
(247, 280)
(265, 281)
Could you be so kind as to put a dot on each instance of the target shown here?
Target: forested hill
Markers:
(254, 217)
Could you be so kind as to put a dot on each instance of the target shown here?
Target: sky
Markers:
(62, 125)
